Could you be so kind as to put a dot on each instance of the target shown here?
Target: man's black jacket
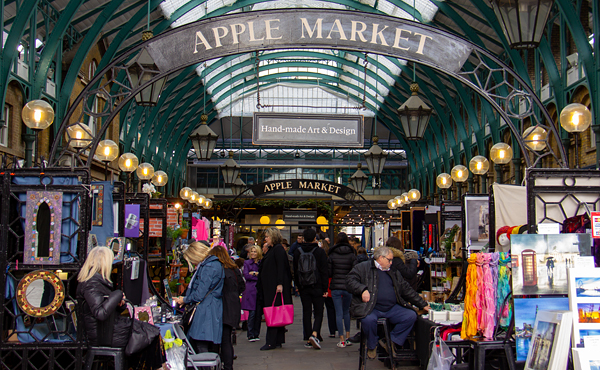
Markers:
(364, 276)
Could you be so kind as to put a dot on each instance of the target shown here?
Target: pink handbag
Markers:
(279, 316)
(244, 316)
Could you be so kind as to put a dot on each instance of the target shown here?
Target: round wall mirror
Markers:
(40, 293)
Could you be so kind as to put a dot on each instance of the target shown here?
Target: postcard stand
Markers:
(23, 337)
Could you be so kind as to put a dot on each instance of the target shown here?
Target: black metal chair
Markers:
(387, 354)
(102, 349)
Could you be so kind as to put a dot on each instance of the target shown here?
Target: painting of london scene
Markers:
(589, 313)
(587, 286)
(526, 310)
(540, 262)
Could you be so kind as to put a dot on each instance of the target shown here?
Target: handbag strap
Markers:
(274, 298)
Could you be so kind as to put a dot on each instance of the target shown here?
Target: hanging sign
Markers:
(307, 28)
(298, 216)
(320, 130)
(596, 225)
(300, 185)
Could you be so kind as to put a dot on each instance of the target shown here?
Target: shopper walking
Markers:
(342, 259)
(274, 281)
(205, 288)
(233, 287)
(310, 265)
(251, 266)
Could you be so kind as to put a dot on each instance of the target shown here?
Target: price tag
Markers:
(591, 341)
(595, 224)
(549, 228)
(584, 262)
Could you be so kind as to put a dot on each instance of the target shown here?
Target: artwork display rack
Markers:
(33, 351)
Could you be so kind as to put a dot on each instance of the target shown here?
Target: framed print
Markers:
(97, 204)
(540, 262)
(43, 219)
(586, 359)
(525, 311)
(144, 314)
(477, 221)
(584, 302)
(132, 221)
(92, 241)
(550, 342)
(117, 245)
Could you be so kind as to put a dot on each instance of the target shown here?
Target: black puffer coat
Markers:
(99, 302)
(365, 276)
(233, 287)
(342, 259)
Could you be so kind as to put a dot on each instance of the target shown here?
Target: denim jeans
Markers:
(341, 301)
(253, 328)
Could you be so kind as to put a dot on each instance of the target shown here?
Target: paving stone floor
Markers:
(293, 355)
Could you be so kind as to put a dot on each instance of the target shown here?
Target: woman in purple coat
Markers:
(249, 296)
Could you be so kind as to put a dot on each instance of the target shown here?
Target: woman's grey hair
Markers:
(381, 252)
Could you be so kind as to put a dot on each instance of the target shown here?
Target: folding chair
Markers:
(197, 360)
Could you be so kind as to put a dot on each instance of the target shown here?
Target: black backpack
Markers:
(307, 268)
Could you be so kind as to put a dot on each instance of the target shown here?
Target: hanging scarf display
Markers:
(481, 260)
(503, 288)
(490, 277)
(469, 326)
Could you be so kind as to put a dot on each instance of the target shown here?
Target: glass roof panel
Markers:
(282, 4)
(294, 98)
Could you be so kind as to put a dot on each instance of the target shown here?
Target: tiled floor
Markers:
(293, 355)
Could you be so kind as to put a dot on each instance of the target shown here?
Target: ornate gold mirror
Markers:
(40, 293)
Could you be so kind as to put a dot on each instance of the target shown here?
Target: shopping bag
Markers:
(277, 316)
(244, 316)
(441, 357)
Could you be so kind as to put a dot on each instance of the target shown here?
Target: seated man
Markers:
(379, 292)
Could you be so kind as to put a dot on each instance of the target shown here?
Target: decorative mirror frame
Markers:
(148, 310)
(59, 293)
(54, 201)
(121, 240)
(97, 204)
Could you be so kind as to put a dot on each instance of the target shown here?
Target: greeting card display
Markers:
(43, 219)
(550, 342)
(540, 262)
(584, 302)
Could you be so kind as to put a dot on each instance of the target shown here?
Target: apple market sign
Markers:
(308, 28)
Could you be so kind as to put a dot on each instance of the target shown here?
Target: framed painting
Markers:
(584, 302)
(43, 219)
(550, 342)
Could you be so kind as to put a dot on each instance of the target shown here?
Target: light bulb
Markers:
(159, 178)
(444, 180)
(37, 115)
(145, 171)
(479, 165)
(79, 135)
(575, 118)
(128, 163)
(501, 154)
(459, 173)
(106, 151)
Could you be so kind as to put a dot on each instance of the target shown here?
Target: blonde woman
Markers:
(100, 302)
(205, 288)
(274, 277)
(249, 296)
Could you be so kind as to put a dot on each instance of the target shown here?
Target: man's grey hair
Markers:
(250, 239)
(381, 252)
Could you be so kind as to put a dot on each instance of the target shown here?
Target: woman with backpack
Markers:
(342, 259)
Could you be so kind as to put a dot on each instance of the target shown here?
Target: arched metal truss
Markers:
(506, 92)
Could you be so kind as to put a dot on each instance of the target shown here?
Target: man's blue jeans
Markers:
(400, 318)
(341, 301)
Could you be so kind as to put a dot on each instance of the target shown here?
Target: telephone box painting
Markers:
(542, 261)
(529, 267)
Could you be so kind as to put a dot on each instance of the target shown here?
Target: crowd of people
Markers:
(339, 279)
